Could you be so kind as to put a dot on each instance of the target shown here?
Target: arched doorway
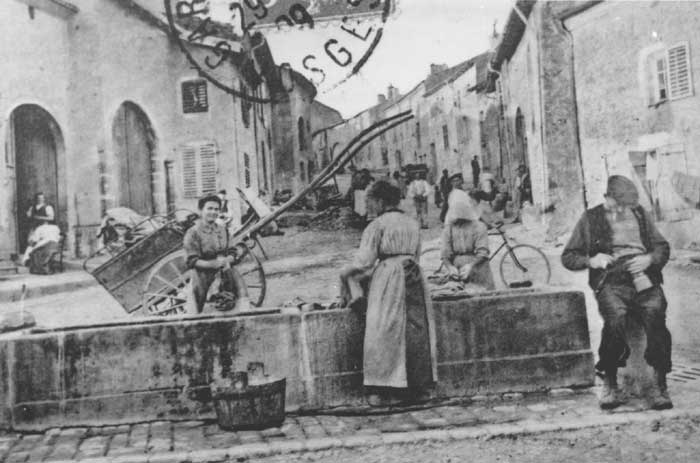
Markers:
(36, 144)
(134, 148)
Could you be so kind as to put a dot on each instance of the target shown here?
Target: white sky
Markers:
(421, 32)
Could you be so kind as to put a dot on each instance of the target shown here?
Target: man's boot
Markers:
(660, 400)
(610, 396)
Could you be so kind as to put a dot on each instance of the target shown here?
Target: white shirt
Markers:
(418, 187)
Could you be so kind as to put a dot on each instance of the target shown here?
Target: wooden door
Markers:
(133, 143)
(36, 164)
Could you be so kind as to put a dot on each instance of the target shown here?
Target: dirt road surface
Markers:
(674, 441)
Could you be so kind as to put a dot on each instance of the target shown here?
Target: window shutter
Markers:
(194, 96)
(246, 164)
(680, 83)
(199, 169)
(189, 171)
(208, 168)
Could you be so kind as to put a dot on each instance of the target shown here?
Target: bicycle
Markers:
(521, 266)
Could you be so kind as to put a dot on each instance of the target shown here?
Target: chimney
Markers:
(494, 38)
(381, 99)
(436, 68)
(392, 93)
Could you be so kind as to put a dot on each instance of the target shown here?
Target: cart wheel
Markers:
(165, 290)
(249, 266)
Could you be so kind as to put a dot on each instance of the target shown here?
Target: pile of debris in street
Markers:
(335, 218)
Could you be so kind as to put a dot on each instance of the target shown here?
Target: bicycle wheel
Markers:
(524, 266)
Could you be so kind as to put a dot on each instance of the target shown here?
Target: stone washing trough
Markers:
(155, 369)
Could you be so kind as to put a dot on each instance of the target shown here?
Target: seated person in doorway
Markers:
(43, 244)
(399, 344)
(624, 253)
(465, 243)
(40, 211)
(523, 186)
(206, 245)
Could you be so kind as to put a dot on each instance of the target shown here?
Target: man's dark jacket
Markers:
(593, 235)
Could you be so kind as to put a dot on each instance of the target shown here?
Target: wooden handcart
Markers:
(149, 277)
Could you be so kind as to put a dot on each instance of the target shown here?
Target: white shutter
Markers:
(199, 168)
(680, 83)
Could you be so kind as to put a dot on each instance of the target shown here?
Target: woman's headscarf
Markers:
(460, 207)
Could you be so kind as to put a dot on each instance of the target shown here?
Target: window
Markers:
(246, 169)
(302, 136)
(385, 156)
(199, 168)
(660, 81)
(302, 172)
(264, 162)
(194, 96)
(680, 84)
(445, 137)
(668, 74)
(418, 134)
(245, 107)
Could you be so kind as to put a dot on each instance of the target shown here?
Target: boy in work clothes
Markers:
(624, 253)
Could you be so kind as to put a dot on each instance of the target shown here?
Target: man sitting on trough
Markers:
(624, 252)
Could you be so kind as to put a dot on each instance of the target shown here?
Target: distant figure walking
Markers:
(418, 190)
(476, 171)
(444, 185)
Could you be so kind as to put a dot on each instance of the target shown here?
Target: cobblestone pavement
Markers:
(196, 441)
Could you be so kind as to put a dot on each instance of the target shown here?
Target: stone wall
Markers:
(86, 67)
(43, 81)
(616, 117)
(538, 81)
(514, 341)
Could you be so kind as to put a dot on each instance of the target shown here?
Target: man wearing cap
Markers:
(624, 253)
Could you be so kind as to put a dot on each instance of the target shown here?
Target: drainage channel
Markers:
(684, 373)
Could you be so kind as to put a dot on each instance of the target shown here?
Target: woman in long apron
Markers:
(399, 344)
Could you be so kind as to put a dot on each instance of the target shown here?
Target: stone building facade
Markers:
(323, 119)
(533, 68)
(294, 161)
(639, 111)
(446, 130)
(108, 112)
